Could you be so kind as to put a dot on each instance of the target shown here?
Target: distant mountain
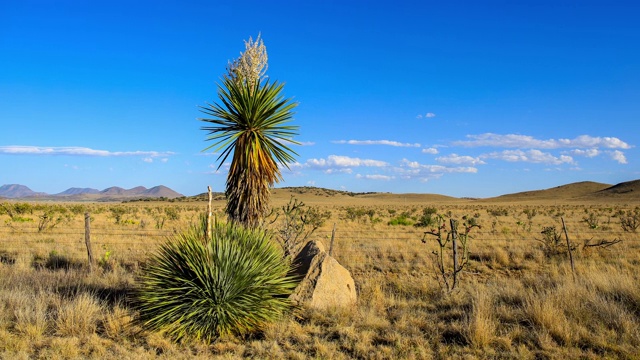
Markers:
(14, 191)
(156, 191)
(114, 190)
(161, 191)
(78, 191)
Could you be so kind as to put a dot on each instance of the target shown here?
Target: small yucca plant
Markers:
(197, 288)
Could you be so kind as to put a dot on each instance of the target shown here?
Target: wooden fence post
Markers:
(209, 213)
(566, 235)
(87, 238)
(454, 245)
(333, 235)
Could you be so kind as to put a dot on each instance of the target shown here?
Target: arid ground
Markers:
(518, 297)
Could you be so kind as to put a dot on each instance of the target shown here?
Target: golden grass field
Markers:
(515, 300)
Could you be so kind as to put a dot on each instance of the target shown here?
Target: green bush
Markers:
(234, 283)
(428, 217)
(402, 219)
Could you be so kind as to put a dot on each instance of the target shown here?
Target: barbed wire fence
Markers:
(399, 242)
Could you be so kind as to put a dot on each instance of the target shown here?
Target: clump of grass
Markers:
(31, 319)
(482, 325)
(233, 283)
(79, 316)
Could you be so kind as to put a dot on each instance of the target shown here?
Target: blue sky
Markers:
(457, 98)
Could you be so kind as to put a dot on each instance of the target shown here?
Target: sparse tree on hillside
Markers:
(249, 122)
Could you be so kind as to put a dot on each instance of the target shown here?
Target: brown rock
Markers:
(325, 283)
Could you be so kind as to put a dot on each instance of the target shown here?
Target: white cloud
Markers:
(164, 160)
(375, 177)
(618, 156)
(376, 142)
(587, 153)
(525, 141)
(311, 183)
(410, 164)
(147, 160)
(427, 115)
(430, 150)
(585, 141)
(338, 164)
(458, 159)
(338, 171)
(294, 166)
(344, 161)
(532, 156)
(75, 151)
(414, 170)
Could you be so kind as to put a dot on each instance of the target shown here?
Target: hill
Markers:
(320, 196)
(14, 191)
(141, 191)
(78, 191)
(161, 191)
(628, 190)
(568, 191)
(584, 191)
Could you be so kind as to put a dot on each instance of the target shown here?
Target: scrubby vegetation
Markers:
(516, 297)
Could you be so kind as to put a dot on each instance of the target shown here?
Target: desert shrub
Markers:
(195, 288)
(551, 241)
(48, 220)
(172, 213)
(630, 220)
(356, 213)
(591, 219)
(428, 217)
(23, 208)
(401, 219)
(15, 210)
(105, 259)
(7, 257)
(77, 209)
(498, 211)
(298, 222)
(117, 212)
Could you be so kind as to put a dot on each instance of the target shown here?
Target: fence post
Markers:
(454, 245)
(333, 235)
(566, 235)
(87, 238)
(209, 214)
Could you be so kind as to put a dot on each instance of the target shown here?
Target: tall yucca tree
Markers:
(250, 123)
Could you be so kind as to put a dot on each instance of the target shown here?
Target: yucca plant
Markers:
(250, 122)
(232, 283)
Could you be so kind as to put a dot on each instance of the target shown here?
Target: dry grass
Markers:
(515, 301)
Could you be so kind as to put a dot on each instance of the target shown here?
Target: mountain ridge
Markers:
(577, 191)
(17, 191)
